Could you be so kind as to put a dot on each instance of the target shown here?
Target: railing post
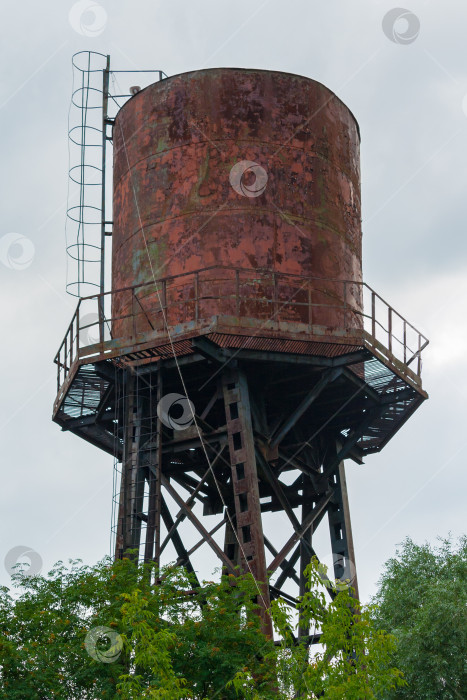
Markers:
(405, 341)
(196, 296)
(373, 314)
(133, 312)
(419, 361)
(100, 313)
(390, 329)
(77, 330)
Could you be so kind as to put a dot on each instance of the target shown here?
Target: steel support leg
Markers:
(305, 551)
(341, 531)
(141, 464)
(132, 484)
(151, 458)
(245, 485)
(230, 544)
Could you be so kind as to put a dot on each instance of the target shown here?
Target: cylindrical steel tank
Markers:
(187, 206)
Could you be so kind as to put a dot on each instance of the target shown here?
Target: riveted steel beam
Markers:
(245, 485)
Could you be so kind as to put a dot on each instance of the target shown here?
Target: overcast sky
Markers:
(410, 100)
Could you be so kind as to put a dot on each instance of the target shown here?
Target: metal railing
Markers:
(338, 306)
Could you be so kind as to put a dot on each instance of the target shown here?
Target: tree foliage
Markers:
(422, 601)
(125, 630)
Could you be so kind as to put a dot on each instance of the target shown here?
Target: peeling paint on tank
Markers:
(183, 137)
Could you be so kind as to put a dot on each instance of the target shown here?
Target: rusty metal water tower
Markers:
(239, 358)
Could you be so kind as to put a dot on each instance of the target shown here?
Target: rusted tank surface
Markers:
(241, 189)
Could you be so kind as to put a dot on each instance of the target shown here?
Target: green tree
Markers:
(422, 600)
(354, 659)
(125, 630)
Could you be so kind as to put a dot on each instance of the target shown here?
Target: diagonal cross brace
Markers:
(182, 515)
(217, 527)
(352, 440)
(327, 377)
(311, 517)
(280, 495)
(177, 540)
(285, 565)
(201, 529)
